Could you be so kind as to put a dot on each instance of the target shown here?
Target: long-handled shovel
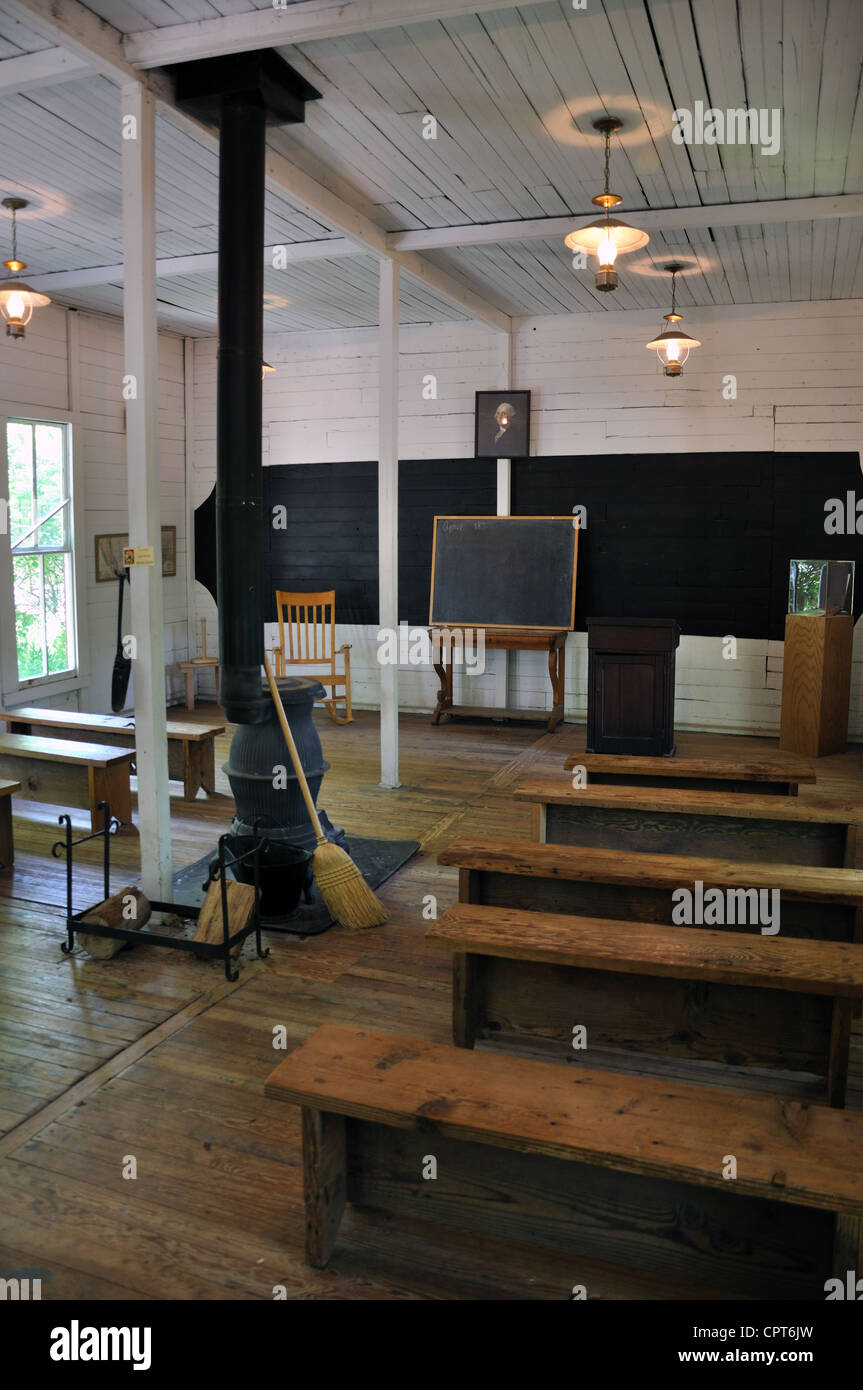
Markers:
(122, 663)
(341, 885)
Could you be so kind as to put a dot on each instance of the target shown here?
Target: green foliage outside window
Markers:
(40, 525)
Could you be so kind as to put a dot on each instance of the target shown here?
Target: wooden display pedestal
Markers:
(816, 684)
(630, 685)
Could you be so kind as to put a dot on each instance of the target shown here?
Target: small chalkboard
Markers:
(504, 571)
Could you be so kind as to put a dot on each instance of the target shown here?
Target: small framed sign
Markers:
(502, 424)
(111, 561)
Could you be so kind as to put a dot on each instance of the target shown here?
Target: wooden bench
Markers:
(7, 842)
(814, 902)
(671, 820)
(599, 1165)
(699, 1004)
(777, 774)
(70, 774)
(191, 747)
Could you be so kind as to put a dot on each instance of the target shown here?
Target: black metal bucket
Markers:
(285, 870)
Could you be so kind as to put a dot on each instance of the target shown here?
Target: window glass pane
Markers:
(19, 448)
(57, 612)
(28, 616)
(43, 585)
(50, 484)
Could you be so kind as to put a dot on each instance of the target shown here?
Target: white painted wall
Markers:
(596, 389)
(70, 367)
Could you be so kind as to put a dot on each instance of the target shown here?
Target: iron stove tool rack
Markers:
(217, 872)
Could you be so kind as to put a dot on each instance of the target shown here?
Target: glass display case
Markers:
(821, 588)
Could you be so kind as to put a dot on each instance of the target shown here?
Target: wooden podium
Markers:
(630, 685)
(816, 683)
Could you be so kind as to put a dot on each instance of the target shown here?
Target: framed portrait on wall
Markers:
(502, 429)
(109, 554)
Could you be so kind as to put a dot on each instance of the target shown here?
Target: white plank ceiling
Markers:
(514, 93)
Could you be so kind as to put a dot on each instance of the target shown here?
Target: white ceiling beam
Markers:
(452, 289)
(201, 263)
(44, 69)
(309, 196)
(655, 219)
(72, 26)
(69, 25)
(296, 23)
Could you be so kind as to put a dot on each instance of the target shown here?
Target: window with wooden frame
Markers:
(41, 535)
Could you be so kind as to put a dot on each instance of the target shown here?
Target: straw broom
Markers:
(342, 887)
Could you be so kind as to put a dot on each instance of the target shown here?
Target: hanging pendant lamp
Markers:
(17, 299)
(608, 237)
(673, 345)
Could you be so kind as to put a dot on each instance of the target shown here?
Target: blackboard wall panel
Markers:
(330, 540)
(703, 538)
(331, 537)
(461, 487)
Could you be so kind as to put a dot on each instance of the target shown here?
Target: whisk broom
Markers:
(340, 883)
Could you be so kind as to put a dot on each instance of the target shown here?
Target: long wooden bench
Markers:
(625, 1169)
(777, 774)
(70, 774)
(671, 820)
(700, 1004)
(814, 902)
(7, 842)
(191, 747)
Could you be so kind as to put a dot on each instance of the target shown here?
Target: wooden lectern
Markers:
(630, 685)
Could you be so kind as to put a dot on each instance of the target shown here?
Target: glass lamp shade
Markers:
(672, 348)
(604, 230)
(17, 302)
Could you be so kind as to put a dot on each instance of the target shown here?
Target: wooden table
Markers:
(502, 639)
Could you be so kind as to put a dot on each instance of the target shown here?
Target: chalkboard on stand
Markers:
(504, 571)
(513, 579)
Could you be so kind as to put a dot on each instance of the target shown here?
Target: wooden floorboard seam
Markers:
(84, 1088)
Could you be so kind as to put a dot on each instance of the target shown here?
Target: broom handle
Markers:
(292, 749)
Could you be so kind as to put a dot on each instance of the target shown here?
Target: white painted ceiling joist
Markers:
(654, 219)
(72, 26)
(46, 68)
(201, 263)
(296, 23)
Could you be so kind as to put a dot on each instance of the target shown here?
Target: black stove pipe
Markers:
(241, 94)
(239, 478)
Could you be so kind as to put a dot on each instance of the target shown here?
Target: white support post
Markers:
(388, 512)
(504, 506)
(189, 476)
(142, 461)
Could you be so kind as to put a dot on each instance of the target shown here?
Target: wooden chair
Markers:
(307, 637)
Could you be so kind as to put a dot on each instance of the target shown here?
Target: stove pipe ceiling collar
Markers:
(242, 95)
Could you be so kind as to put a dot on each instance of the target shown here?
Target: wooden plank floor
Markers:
(155, 1056)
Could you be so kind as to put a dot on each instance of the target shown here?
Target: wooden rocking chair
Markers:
(307, 637)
